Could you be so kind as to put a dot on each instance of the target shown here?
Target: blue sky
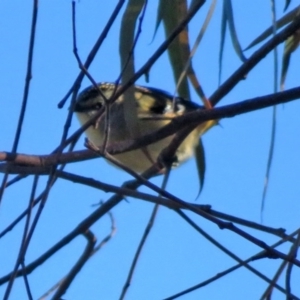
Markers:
(175, 256)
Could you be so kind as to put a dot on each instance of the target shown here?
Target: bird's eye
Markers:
(98, 106)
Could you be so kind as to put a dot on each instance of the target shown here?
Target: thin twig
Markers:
(269, 252)
(253, 60)
(86, 73)
(25, 233)
(66, 282)
(231, 269)
(75, 52)
(153, 199)
(139, 250)
(197, 117)
(136, 38)
(93, 52)
(106, 239)
(28, 290)
(149, 62)
(96, 248)
(293, 253)
(81, 227)
(20, 122)
(143, 239)
(188, 70)
(274, 115)
(26, 89)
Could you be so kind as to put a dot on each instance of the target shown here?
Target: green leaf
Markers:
(291, 44)
(228, 19)
(270, 160)
(288, 18)
(201, 166)
(172, 12)
(126, 49)
(222, 41)
(158, 19)
(127, 37)
(232, 30)
(188, 69)
(199, 152)
(287, 3)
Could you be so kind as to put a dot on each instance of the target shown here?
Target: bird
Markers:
(154, 108)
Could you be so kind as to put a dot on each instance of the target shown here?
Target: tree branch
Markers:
(196, 117)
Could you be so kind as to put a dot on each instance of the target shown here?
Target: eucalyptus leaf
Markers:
(232, 30)
(188, 69)
(286, 19)
(126, 49)
(287, 3)
(222, 41)
(291, 44)
(172, 12)
(228, 19)
(200, 154)
(201, 165)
